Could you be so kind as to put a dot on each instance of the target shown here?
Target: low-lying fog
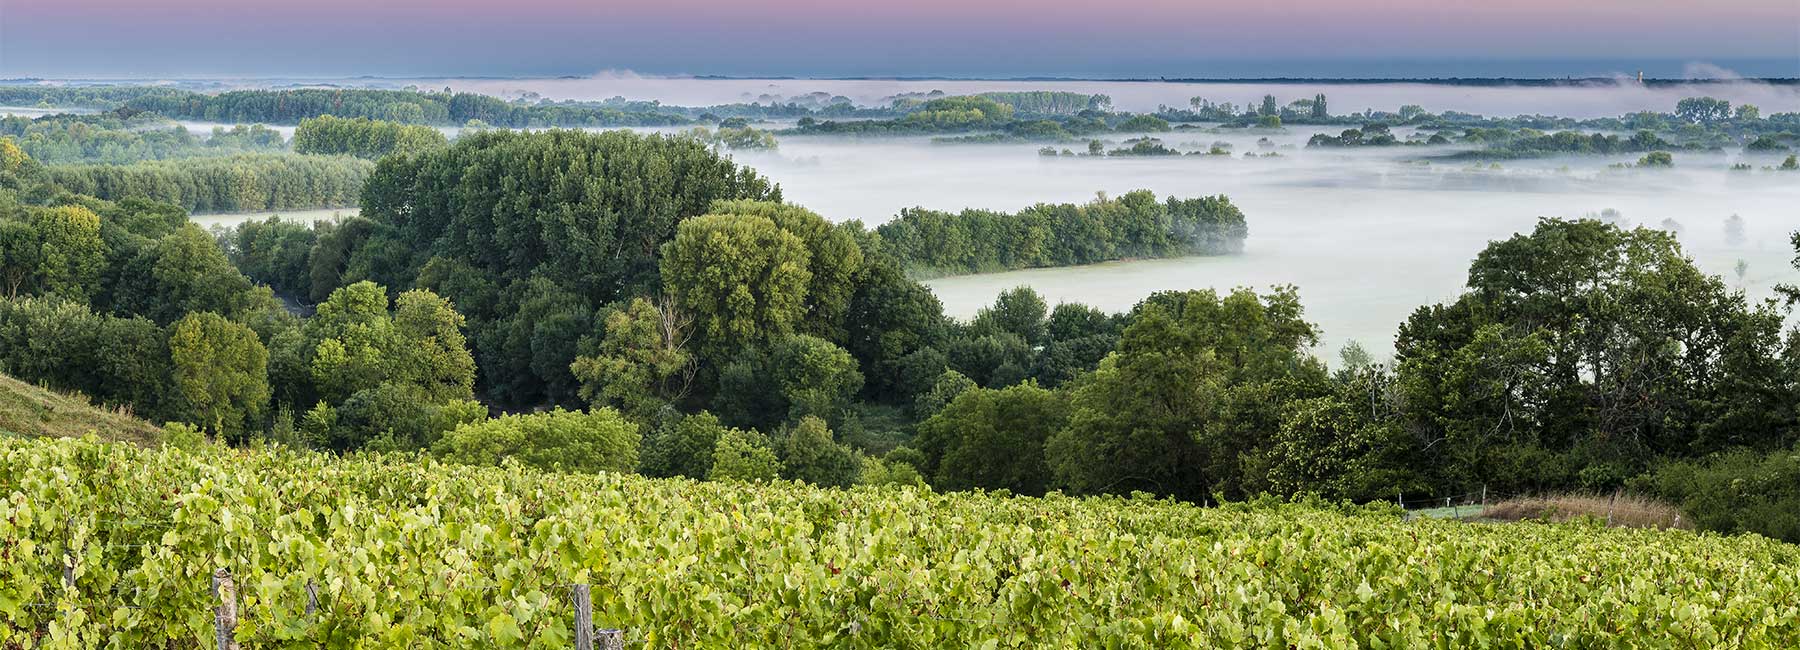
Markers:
(1367, 235)
(1143, 96)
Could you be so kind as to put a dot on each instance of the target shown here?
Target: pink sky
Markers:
(837, 37)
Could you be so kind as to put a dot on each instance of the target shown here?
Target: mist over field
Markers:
(1367, 235)
(1579, 101)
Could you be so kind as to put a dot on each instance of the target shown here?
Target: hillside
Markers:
(406, 552)
(34, 411)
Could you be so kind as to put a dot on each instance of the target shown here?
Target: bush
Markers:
(683, 447)
(595, 441)
(1735, 491)
(743, 456)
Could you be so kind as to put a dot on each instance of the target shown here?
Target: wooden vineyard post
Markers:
(584, 617)
(312, 597)
(68, 571)
(586, 637)
(1610, 504)
(610, 640)
(225, 616)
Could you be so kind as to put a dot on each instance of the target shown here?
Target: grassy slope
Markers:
(33, 411)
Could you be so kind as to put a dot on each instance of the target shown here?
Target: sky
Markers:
(973, 38)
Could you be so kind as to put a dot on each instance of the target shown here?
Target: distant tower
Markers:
(1640, 77)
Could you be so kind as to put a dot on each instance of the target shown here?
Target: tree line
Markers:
(120, 138)
(931, 242)
(405, 106)
(363, 138)
(674, 296)
(248, 182)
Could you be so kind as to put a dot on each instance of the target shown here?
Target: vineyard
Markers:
(106, 545)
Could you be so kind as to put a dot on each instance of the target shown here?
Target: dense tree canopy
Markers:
(363, 137)
(1133, 225)
(237, 183)
(531, 234)
(1582, 351)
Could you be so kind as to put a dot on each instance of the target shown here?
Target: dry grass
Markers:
(1628, 510)
(34, 411)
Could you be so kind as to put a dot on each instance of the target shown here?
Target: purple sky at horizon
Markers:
(923, 37)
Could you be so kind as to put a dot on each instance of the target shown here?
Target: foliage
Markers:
(595, 441)
(798, 376)
(642, 366)
(240, 183)
(408, 552)
(363, 137)
(809, 453)
(743, 456)
(742, 276)
(993, 439)
(530, 233)
(1186, 403)
(219, 374)
(119, 138)
(291, 106)
(683, 446)
(1581, 352)
(1740, 490)
(1133, 225)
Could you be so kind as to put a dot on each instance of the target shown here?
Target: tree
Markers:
(1702, 110)
(220, 373)
(643, 365)
(1656, 159)
(363, 137)
(993, 439)
(1734, 231)
(808, 453)
(595, 441)
(942, 391)
(834, 261)
(683, 446)
(1186, 403)
(70, 253)
(557, 223)
(742, 277)
(1582, 351)
(798, 376)
(20, 257)
(356, 343)
(1319, 111)
(743, 456)
(1748, 112)
(1019, 311)
(1269, 106)
(183, 272)
(892, 318)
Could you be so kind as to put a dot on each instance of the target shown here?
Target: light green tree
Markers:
(220, 373)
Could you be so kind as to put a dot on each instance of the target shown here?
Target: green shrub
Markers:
(1735, 491)
(595, 441)
(743, 456)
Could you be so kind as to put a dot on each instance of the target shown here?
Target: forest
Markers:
(559, 297)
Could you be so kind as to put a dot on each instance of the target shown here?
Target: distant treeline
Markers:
(1568, 142)
(225, 184)
(930, 242)
(363, 137)
(113, 138)
(99, 97)
(444, 108)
